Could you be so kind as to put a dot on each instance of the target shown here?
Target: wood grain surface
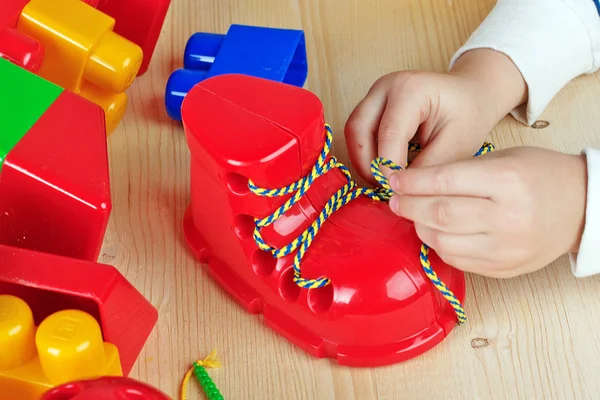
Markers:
(533, 337)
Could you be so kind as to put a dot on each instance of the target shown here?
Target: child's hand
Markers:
(503, 214)
(450, 115)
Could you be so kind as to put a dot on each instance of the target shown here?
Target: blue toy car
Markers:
(270, 53)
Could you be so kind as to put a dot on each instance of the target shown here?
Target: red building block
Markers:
(380, 306)
(55, 184)
(10, 11)
(50, 283)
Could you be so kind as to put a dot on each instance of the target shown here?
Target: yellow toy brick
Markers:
(66, 346)
(82, 52)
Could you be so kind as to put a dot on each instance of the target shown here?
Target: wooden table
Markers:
(532, 337)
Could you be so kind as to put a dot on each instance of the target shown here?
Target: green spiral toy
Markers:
(199, 371)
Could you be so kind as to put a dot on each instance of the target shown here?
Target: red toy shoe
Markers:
(362, 290)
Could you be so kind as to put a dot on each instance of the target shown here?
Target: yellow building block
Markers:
(82, 52)
(67, 346)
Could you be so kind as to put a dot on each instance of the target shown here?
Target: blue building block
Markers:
(270, 53)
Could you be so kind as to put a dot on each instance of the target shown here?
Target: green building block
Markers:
(24, 98)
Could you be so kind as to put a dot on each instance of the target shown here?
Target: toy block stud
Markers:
(17, 333)
(82, 52)
(66, 346)
(54, 176)
(15, 46)
(139, 21)
(270, 53)
(263, 193)
(20, 49)
(76, 301)
(106, 387)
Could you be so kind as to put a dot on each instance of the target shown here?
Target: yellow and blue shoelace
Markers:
(343, 196)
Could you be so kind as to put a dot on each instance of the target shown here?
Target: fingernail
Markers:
(394, 182)
(394, 204)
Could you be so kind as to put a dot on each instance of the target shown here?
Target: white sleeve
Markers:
(550, 41)
(587, 261)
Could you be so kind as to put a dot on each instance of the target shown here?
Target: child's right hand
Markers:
(449, 115)
(504, 214)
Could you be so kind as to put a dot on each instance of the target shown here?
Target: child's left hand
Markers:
(502, 214)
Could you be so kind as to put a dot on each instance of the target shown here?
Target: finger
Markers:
(455, 245)
(488, 268)
(485, 268)
(450, 214)
(473, 177)
(404, 112)
(361, 130)
(443, 148)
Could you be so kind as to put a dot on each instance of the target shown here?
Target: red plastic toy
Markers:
(10, 11)
(139, 21)
(49, 283)
(380, 307)
(55, 183)
(105, 388)
(22, 50)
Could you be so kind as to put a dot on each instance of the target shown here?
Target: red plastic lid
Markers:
(105, 388)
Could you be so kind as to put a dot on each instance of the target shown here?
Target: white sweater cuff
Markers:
(587, 261)
(550, 41)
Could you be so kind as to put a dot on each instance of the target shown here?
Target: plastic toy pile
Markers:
(276, 219)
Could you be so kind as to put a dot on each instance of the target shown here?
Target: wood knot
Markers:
(478, 343)
(541, 124)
